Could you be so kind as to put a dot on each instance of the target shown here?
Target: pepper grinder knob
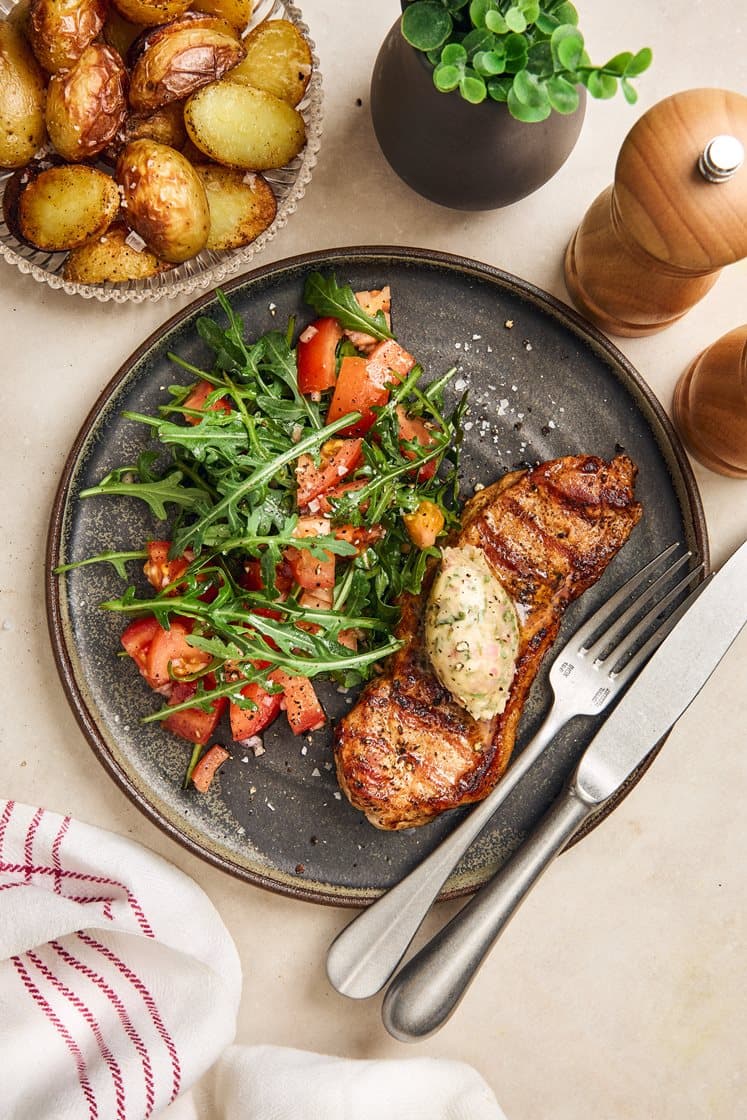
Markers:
(721, 158)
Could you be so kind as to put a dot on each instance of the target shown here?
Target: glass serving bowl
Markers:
(209, 267)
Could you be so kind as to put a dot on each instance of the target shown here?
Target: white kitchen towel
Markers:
(119, 989)
(276, 1083)
(119, 983)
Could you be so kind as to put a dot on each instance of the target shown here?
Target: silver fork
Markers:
(591, 669)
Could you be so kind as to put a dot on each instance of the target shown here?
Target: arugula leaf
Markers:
(156, 494)
(328, 298)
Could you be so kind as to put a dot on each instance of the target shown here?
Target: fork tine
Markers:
(631, 667)
(601, 617)
(608, 639)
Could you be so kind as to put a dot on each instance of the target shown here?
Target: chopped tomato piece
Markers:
(159, 569)
(170, 650)
(251, 577)
(356, 392)
(246, 722)
(388, 363)
(302, 708)
(371, 302)
(137, 639)
(359, 535)
(338, 458)
(207, 767)
(193, 723)
(316, 358)
(308, 572)
(349, 638)
(197, 398)
(413, 428)
(320, 600)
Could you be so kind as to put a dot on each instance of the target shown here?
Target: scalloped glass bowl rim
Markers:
(209, 267)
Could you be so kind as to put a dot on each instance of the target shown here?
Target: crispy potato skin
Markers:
(165, 125)
(278, 59)
(60, 30)
(241, 203)
(87, 105)
(110, 259)
(179, 60)
(149, 13)
(59, 207)
(164, 200)
(236, 12)
(244, 127)
(22, 96)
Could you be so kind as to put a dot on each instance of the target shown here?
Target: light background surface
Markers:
(618, 992)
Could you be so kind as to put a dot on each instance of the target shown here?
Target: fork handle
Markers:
(366, 953)
(430, 986)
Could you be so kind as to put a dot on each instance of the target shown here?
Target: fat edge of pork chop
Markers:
(407, 751)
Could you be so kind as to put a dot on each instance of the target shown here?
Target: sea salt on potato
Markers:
(244, 127)
(60, 207)
(241, 203)
(115, 257)
(278, 59)
(60, 30)
(164, 200)
(87, 105)
(179, 58)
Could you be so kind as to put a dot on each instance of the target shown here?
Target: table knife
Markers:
(428, 989)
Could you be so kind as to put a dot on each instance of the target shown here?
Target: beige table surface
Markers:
(619, 989)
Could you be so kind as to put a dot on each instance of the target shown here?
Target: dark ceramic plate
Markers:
(543, 383)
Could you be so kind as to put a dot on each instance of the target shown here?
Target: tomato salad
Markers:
(308, 480)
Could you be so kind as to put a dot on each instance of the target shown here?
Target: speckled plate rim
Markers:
(673, 453)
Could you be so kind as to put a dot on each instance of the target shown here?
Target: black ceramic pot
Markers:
(468, 157)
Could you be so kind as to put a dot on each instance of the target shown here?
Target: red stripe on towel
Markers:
(121, 1010)
(92, 1022)
(80, 877)
(70, 1042)
(148, 1000)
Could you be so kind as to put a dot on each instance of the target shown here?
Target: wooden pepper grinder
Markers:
(710, 405)
(654, 242)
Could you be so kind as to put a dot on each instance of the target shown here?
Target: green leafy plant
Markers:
(529, 54)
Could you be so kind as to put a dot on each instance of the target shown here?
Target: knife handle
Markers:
(365, 954)
(428, 989)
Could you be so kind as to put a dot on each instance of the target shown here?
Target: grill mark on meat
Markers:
(407, 751)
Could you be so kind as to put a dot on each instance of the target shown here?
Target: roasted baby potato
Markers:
(244, 127)
(241, 203)
(119, 33)
(19, 17)
(150, 13)
(113, 257)
(22, 130)
(87, 105)
(164, 200)
(166, 126)
(60, 30)
(179, 58)
(59, 207)
(278, 59)
(236, 12)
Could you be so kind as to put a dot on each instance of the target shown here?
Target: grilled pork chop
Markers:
(408, 751)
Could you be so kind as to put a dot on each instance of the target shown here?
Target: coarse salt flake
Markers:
(135, 241)
(460, 384)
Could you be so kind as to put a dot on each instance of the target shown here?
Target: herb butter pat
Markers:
(471, 632)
